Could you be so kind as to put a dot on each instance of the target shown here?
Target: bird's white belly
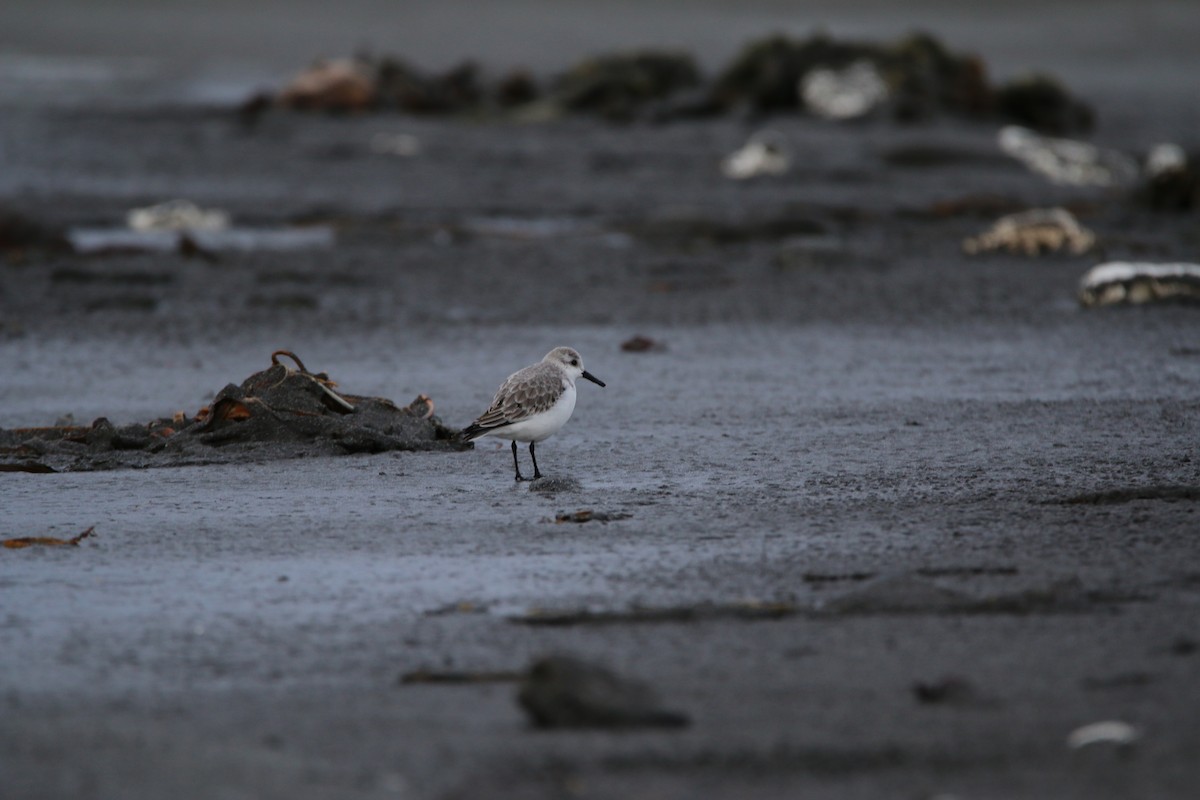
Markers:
(540, 426)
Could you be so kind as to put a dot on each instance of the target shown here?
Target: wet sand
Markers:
(840, 400)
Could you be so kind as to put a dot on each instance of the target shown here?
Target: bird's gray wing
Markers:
(526, 392)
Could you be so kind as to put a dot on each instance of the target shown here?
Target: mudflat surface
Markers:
(884, 519)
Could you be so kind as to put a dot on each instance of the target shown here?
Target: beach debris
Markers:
(1138, 283)
(1067, 161)
(912, 78)
(951, 690)
(177, 215)
(765, 153)
(517, 88)
(1040, 102)
(283, 411)
(617, 86)
(588, 515)
(921, 76)
(404, 145)
(1166, 157)
(1032, 233)
(641, 344)
(401, 86)
(568, 692)
(1171, 179)
(341, 84)
(848, 93)
(1112, 732)
(47, 541)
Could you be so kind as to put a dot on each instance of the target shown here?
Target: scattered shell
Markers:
(1121, 734)
(846, 93)
(177, 215)
(1066, 161)
(1040, 230)
(1133, 283)
(1164, 158)
(765, 153)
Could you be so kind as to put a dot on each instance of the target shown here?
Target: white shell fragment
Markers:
(1040, 230)
(843, 94)
(1164, 158)
(1066, 161)
(1133, 283)
(177, 215)
(765, 153)
(1115, 732)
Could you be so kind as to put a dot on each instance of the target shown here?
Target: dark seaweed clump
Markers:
(925, 79)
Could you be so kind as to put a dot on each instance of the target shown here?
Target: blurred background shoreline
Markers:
(1136, 61)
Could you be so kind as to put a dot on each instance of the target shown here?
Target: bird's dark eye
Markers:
(574, 362)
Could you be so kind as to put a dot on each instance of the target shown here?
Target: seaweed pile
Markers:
(912, 79)
(280, 412)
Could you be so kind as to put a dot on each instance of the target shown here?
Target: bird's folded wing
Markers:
(524, 394)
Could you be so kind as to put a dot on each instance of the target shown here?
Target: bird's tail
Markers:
(472, 431)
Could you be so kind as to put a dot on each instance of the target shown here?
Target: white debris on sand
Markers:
(1164, 158)
(1067, 161)
(1033, 232)
(765, 153)
(177, 215)
(847, 93)
(1135, 283)
(1113, 732)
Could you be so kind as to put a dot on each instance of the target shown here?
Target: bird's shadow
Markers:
(554, 485)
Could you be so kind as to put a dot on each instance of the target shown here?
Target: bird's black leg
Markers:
(516, 464)
(536, 473)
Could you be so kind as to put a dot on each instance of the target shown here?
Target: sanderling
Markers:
(533, 403)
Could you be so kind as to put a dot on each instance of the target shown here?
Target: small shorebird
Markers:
(533, 403)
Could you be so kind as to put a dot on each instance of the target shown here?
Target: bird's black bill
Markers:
(592, 377)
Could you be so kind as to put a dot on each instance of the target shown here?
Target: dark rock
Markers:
(923, 76)
(402, 86)
(948, 691)
(18, 231)
(1043, 104)
(566, 692)
(516, 89)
